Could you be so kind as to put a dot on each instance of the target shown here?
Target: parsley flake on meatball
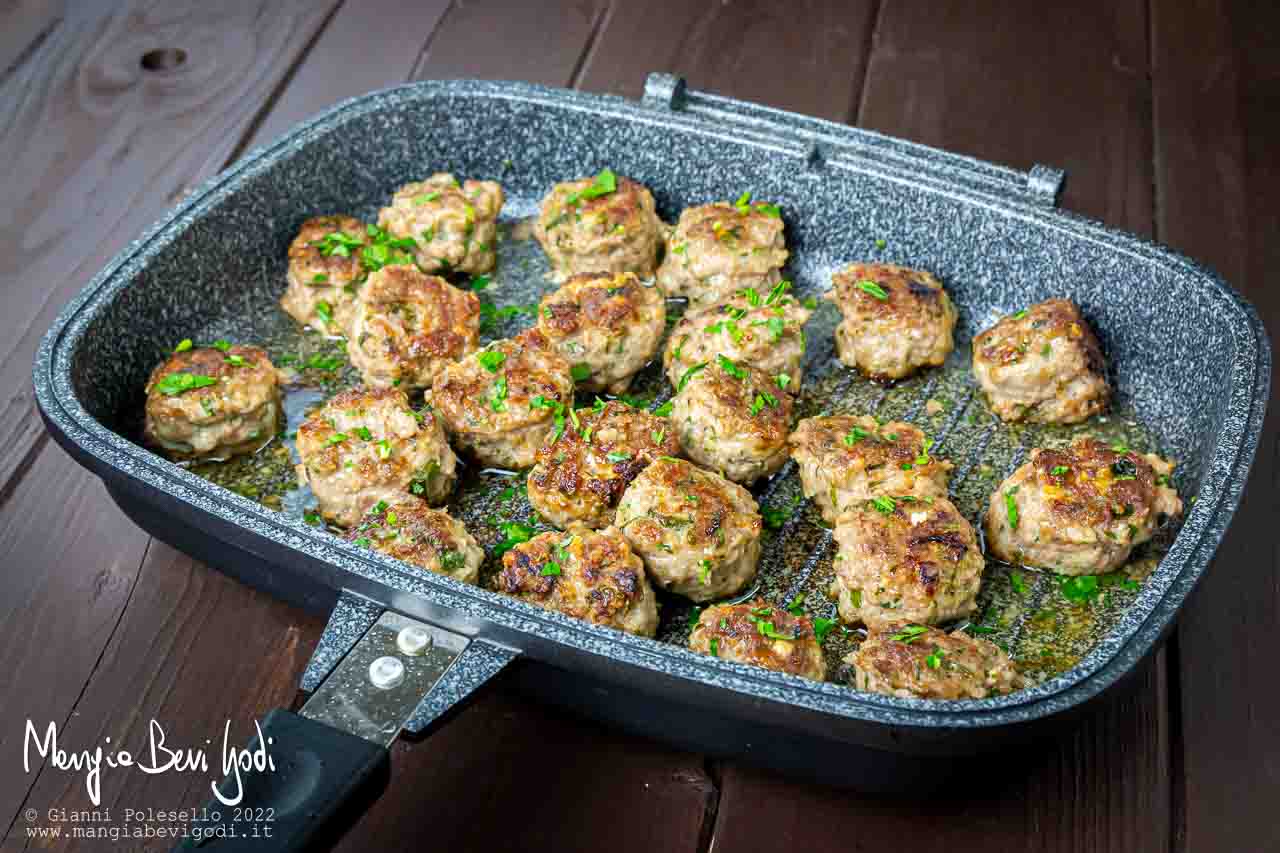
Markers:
(761, 635)
(1043, 364)
(607, 326)
(1080, 510)
(210, 403)
(367, 445)
(605, 224)
(720, 248)
(844, 459)
(581, 474)
(896, 320)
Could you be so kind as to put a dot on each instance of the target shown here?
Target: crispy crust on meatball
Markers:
(698, 533)
(407, 326)
(762, 635)
(501, 403)
(584, 573)
(846, 458)
(905, 559)
(1043, 364)
(912, 661)
(237, 414)
(1080, 510)
(764, 330)
(720, 248)
(323, 275)
(733, 419)
(412, 532)
(896, 320)
(580, 477)
(454, 225)
(609, 324)
(367, 445)
(586, 230)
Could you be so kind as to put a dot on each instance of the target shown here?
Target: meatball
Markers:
(605, 224)
(324, 273)
(607, 326)
(212, 402)
(698, 533)
(505, 401)
(367, 445)
(844, 459)
(584, 573)
(454, 226)
(914, 661)
(582, 473)
(408, 325)
(764, 331)
(759, 634)
(732, 418)
(1080, 510)
(718, 249)
(905, 558)
(896, 320)
(412, 532)
(1043, 364)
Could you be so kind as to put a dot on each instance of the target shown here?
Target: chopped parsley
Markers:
(425, 198)
(498, 395)
(743, 203)
(704, 572)
(1018, 582)
(384, 449)
(714, 646)
(909, 633)
(689, 374)
(1020, 314)
(513, 533)
(730, 367)
(665, 409)
(1059, 470)
(795, 606)
(491, 360)
(580, 371)
(221, 345)
(177, 383)
(874, 289)
(855, 435)
(363, 433)
(1079, 589)
(763, 399)
(884, 504)
(934, 660)
(336, 438)
(324, 311)
(605, 183)
(782, 380)
(1011, 507)
(183, 345)
(550, 569)
(821, 628)
(618, 457)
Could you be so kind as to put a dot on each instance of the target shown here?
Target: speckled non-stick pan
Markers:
(1188, 358)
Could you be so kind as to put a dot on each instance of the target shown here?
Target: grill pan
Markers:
(1189, 360)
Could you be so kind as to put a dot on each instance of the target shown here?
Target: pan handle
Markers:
(305, 777)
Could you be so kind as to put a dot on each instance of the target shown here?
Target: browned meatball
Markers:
(584, 573)
(502, 403)
(718, 249)
(212, 402)
(1043, 364)
(455, 226)
(412, 532)
(761, 635)
(764, 330)
(733, 419)
(905, 559)
(367, 445)
(844, 459)
(408, 325)
(896, 320)
(324, 272)
(605, 224)
(607, 326)
(914, 661)
(1080, 510)
(698, 533)
(582, 473)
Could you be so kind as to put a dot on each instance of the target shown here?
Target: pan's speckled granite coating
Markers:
(1185, 351)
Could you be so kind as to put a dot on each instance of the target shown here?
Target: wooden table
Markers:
(1166, 116)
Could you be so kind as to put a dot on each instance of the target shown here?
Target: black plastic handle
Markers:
(322, 780)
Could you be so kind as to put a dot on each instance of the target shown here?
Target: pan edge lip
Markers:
(1227, 464)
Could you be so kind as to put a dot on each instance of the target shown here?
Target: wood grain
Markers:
(1217, 108)
(998, 87)
(70, 561)
(809, 56)
(22, 24)
(94, 146)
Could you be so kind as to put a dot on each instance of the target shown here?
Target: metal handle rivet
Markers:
(413, 640)
(386, 672)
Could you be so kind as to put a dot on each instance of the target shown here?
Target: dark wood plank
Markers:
(1001, 87)
(1217, 99)
(338, 66)
(512, 40)
(194, 649)
(809, 56)
(70, 559)
(130, 142)
(22, 24)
